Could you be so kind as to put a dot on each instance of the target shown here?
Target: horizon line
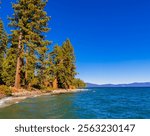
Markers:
(117, 83)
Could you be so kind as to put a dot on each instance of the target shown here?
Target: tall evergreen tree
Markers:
(63, 66)
(69, 64)
(56, 67)
(3, 46)
(9, 66)
(10, 61)
(29, 22)
(42, 68)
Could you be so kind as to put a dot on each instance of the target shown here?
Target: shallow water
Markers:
(95, 103)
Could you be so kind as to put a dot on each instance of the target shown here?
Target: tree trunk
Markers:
(18, 67)
(26, 73)
(55, 84)
(29, 86)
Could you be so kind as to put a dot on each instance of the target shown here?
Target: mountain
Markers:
(144, 84)
(92, 85)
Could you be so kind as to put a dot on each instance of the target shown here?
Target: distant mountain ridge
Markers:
(136, 84)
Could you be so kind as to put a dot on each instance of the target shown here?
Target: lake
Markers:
(94, 103)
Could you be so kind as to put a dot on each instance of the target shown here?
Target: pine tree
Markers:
(3, 46)
(63, 66)
(69, 64)
(42, 69)
(9, 66)
(55, 65)
(10, 61)
(29, 22)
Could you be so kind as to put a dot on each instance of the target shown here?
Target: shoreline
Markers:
(20, 96)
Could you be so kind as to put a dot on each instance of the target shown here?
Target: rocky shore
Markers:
(24, 94)
(39, 92)
(2, 96)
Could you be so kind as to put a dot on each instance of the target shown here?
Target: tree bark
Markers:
(26, 73)
(55, 84)
(18, 67)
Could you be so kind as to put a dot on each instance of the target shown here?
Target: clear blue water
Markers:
(96, 103)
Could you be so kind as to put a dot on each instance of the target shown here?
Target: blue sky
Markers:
(111, 37)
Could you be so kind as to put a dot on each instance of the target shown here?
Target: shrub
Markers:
(78, 83)
(5, 90)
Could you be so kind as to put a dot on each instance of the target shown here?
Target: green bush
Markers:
(5, 90)
(78, 83)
